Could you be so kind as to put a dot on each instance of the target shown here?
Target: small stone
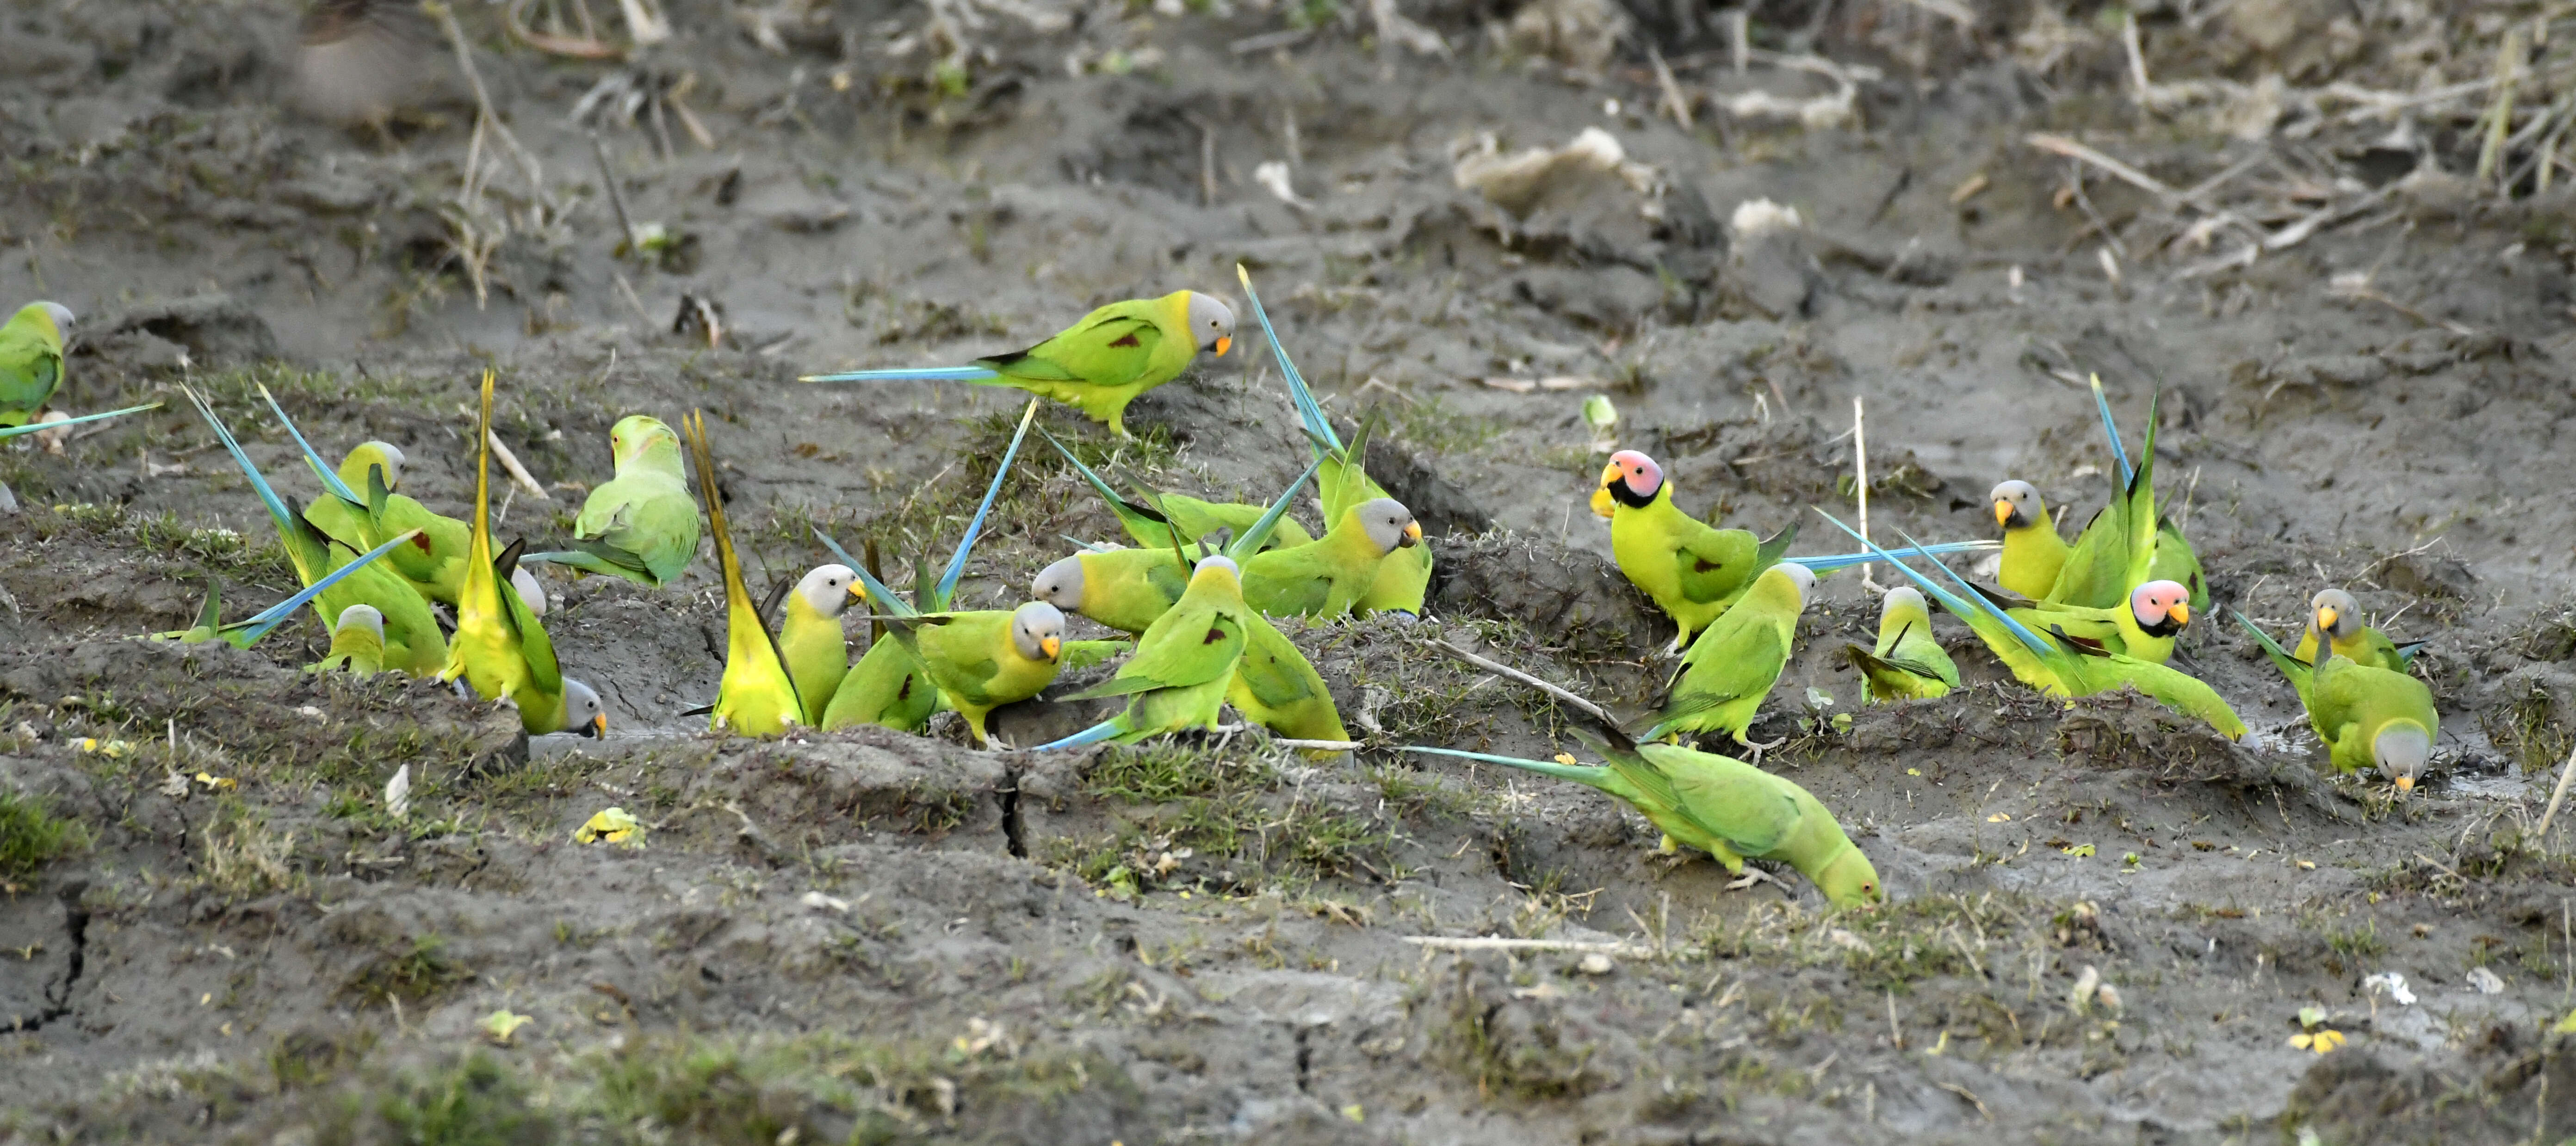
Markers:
(1595, 963)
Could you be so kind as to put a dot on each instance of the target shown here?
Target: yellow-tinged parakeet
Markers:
(2368, 716)
(357, 643)
(413, 641)
(1184, 663)
(810, 638)
(1342, 480)
(1732, 666)
(1328, 576)
(1690, 570)
(1099, 364)
(1722, 806)
(1908, 663)
(31, 360)
(757, 696)
(2058, 667)
(640, 525)
(501, 651)
(2033, 552)
(888, 686)
(2335, 613)
(984, 659)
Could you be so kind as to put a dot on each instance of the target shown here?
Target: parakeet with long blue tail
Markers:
(1907, 663)
(1097, 365)
(1719, 805)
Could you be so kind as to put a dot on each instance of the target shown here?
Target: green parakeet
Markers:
(1099, 364)
(31, 360)
(1277, 688)
(501, 651)
(2064, 668)
(757, 696)
(2368, 716)
(1691, 571)
(413, 641)
(810, 638)
(1184, 664)
(1720, 805)
(1342, 480)
(2033, 552)
(434, 562)
(640, 525)
(357, 643)
(1908, 663)
(1328, 576)
(1153, 522)
(1731, 667)
(2335, 613)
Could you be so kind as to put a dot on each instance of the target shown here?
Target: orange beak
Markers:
(2003, 512)
(1224, 342)
(2405, 783)
(599, 727)
(1051, 646)
(2181, 613)
(1412, 535)
(2326, 617)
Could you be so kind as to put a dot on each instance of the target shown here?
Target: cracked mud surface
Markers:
(872, 937)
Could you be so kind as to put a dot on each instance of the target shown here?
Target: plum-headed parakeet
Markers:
(1184, 663)
(31, 360)
(640, 525)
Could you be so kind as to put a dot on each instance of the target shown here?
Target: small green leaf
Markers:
(1598, 413)
(2079, 851)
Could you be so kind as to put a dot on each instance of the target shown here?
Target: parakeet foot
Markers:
(1759, 747)
(1754, 875)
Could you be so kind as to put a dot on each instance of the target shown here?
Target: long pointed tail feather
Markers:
(1308, 410)
(40, 427)
(975, 528)
(1104, 730)
(258, 483)
(909, 374)
(321, 469)
(1846, 560)
(1958, 605)
(2102, 405)
(258, 624)
(1242, 548)
(1576, 772)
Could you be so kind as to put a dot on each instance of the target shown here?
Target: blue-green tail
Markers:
(40, 427)
(321, 469)
(1105, 730)
(1579, 773)
(909, 374)
(1309, 411)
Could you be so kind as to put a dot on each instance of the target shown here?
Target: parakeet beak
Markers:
(1602, 505)
(597, 729)
(2326, 616)
(1051, 646)
(2181, 614)
(859, 592)
(1412, 535)
(1224, 342)
(2003, 514)
(2405, 783)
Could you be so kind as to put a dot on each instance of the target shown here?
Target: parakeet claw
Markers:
(1754, 875)
(1759, 747)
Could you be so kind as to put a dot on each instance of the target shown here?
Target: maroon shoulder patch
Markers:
(1703, 565)
(1214, 635)
(1125, 340)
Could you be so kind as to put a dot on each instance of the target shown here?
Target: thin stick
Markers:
(2556, 798)
(627, 290)
(1497, 943)
(2060, 145)
(1318, 745)
(510, 462)
(1673, 100)
(1860, 484)
(616, 200)
(1596, 711)
(483, 102)
(1739, 37)
(2137, 56)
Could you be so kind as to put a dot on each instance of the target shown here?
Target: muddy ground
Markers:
(870, 937)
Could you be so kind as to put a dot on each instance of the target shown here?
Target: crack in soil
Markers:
(59, 999)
